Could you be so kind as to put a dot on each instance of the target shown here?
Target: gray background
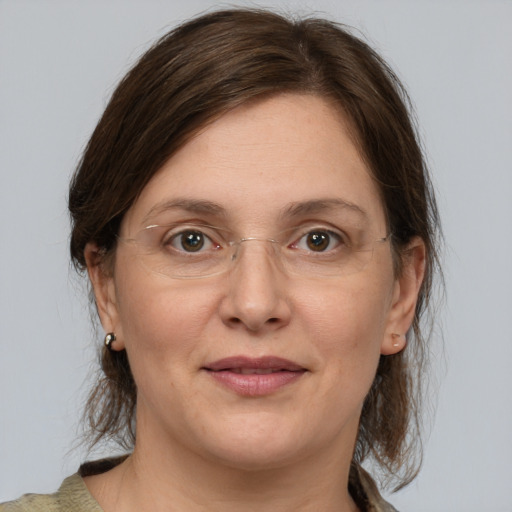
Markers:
(59, 61)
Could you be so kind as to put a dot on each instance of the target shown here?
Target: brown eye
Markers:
(318, 240)
(189, 241)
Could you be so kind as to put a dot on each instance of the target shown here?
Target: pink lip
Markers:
(232, 372)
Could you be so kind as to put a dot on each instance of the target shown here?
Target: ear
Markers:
(405, 297)
(102, 280)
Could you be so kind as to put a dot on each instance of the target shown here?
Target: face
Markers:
(257, 366)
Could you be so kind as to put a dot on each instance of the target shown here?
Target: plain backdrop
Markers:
(59, 62)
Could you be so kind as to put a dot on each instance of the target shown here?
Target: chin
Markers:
(257, 443)
(256, 456)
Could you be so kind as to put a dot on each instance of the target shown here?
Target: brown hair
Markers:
(198, 72)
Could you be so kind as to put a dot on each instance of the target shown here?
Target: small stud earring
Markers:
(396, 339)
(109, 339)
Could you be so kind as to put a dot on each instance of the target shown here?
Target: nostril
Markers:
(272, 320)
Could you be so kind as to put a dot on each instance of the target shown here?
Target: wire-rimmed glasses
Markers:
(194, 251)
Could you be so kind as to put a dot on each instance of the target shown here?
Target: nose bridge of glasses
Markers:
(270, 243)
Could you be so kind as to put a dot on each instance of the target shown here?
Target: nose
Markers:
(256, 299)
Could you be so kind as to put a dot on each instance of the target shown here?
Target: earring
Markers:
(109, 339)
(396, 339)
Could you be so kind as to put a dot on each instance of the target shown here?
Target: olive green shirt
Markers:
(73, 495)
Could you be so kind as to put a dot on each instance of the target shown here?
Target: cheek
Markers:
(162, 326)
(161, 319)
(346, 324)
(352, 312)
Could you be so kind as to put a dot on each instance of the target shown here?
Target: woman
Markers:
(256, 221)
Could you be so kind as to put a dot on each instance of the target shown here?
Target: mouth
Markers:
(255, 371)
(254, 376)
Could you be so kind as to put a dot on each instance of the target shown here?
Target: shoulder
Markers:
(72, 495)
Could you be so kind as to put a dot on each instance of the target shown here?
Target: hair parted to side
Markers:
(198, 72)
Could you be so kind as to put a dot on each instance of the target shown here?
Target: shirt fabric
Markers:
(73, 495)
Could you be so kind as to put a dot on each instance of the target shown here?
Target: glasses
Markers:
(185, 251)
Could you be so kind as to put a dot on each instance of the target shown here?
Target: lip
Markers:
(254, 377)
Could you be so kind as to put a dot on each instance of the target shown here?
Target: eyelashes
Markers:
(201, 239)
(318, 240)
(191, 241)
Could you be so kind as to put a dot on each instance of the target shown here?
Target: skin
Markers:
(201, 446)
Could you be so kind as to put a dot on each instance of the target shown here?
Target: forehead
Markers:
(261, 159)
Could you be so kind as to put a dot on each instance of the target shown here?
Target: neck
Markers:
(206, 486)
(162, 476)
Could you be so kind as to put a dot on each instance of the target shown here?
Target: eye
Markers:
(318, 240)
(190, 241)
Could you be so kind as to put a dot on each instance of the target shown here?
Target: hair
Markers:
(192, 76)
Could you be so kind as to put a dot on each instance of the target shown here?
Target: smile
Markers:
(254, 377)
(254, 371)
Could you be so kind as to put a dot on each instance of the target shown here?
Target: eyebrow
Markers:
(316, 206)
(295, 209)
(198, 206)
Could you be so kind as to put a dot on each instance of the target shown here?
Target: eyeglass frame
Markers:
(237, 243)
